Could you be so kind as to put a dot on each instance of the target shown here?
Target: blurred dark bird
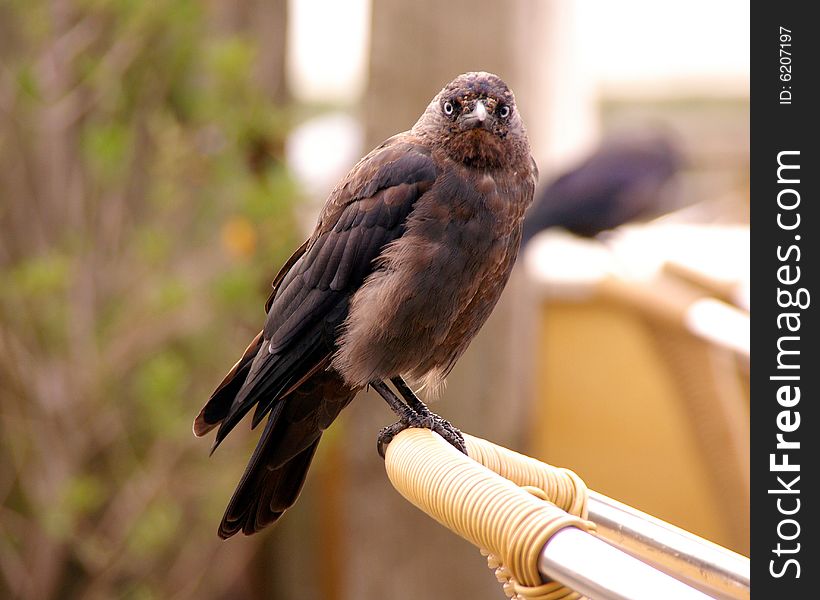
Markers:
(410, 255)
(624, 180)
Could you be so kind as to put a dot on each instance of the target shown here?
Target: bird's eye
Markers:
(504, 111)
(448, 108)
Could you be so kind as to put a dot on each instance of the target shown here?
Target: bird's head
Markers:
(475, 121)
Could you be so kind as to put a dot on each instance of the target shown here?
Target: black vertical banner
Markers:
(785, 54)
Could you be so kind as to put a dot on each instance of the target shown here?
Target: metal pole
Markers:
(599, 571)
(700, 563)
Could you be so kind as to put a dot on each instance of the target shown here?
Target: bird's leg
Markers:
(409, 396)
(407, 416)
(441, 426)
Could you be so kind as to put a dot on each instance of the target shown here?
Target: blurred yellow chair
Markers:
(641, 387)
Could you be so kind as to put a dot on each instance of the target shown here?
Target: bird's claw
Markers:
(450, 433)
(387, 434)
(430, 421)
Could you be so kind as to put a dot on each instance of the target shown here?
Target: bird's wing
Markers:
(366, 211)
(284, 271)
(223, 396)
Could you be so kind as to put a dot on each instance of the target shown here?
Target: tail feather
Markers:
(301, 398)
(263, 495)
(277, 469)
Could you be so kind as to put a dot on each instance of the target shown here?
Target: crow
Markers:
(410, 254)
(621, 181)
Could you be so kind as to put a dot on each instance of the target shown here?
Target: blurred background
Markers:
(160, 160)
